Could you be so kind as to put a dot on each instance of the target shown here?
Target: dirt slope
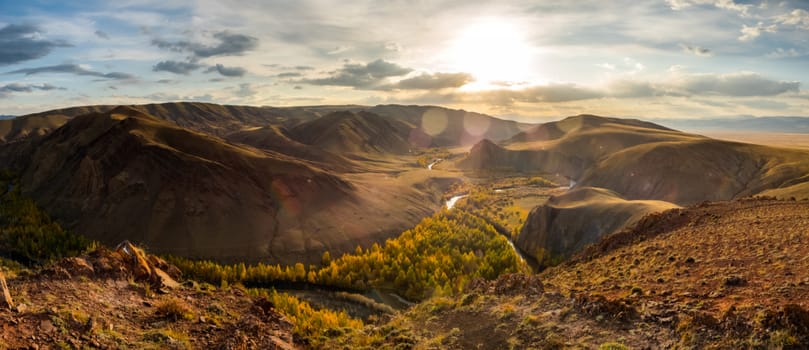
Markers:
(725, 275)
(101, 301)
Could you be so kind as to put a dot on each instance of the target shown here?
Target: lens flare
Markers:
(434, 121)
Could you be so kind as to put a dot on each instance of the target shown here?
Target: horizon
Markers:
(523, 60)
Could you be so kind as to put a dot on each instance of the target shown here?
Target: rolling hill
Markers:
(356, 133)
(124, 174)
(637, 161)
(436, 126)
(569, 222)
(275, 139)
(127, 175)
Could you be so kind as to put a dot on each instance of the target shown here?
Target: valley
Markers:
(374, 226)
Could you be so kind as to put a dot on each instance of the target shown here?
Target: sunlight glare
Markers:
(492, 51)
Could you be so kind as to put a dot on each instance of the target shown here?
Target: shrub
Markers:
(174, 309)
(613, 346)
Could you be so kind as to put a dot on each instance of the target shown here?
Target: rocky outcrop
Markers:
(126, 261)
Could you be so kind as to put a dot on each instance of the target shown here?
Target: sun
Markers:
(493, 51)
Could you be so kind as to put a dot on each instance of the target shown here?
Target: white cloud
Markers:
(722, 4)
(782, 53)
(798, 18)
(750, 33)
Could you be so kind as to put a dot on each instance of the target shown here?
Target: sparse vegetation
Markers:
(174, 309)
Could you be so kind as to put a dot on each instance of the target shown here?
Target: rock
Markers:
(22, 307)
(45, 326)
(77, 266)
(735, 281)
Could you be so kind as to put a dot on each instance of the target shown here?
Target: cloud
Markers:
(781, 53)
(176, 67)
(227, 71)
(750, 33)
(722, 4)
(22, 42)
(696, 50)
(6, 90)
(289, 75)
(693, 86)
(551, 93)
(101, 34)
(72, 69)
(230, 44)
(361, 76)
(245, 90)
(434, 81)
(798, 18)
(735, 84)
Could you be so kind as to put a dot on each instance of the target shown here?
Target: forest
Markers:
(437, 257)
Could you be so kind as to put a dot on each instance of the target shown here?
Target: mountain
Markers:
(569, 146)
(255, 194)
(217, 120)
(276, 139)
(436, 126)
(634, 161)
(640, 160)
(444, 127)
(14, 129)
(355, 132)
(127, 175)
(698, 170)
(558, 129)
(569, 222)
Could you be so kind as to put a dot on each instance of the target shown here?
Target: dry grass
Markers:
(174, 309)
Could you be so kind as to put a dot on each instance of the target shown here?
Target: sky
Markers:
(525, 60)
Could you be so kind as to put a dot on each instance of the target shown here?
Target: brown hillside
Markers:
(640, 160)
(274, 138)
(209, 118)
(725, 275)
(29, 126)
(576, 145)
(126, 175)
(569, 222)
(579, 123)
(452, 127)
(637, 161)
(444, 127)
(350, 132)
(688, 172)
